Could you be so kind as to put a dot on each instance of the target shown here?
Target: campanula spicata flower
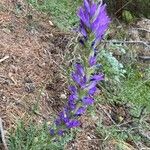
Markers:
(94, 22)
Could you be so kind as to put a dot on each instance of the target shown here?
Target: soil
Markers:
(31, 50)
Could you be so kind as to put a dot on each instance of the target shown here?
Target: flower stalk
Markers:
(94, 22)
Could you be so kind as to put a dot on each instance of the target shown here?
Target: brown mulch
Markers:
(31, 50)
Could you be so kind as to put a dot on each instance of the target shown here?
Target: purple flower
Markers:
(73, 97)
(98, 77)
(79, 80)
(79, 69)
(93, 18)
(75, 77)
(79, 76)
(88, 101)
(80, 111)
(60, 132)
(72, 89)
(87, 6)
(91, 85)
(92, 61)
(92, 91)
(83, 81)
(84, 17)
(64, 116)
(71, 104)
(73, 123)
(52, 132)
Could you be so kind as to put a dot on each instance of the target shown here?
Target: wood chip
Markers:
(4, 58)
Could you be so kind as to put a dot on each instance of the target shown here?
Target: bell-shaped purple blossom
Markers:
(92, 60)
(92, 91)
(87, 101)
(73, 97)
(72, 89)
(97, 77)
(73, 123)
(79, 69)
(64, 115)
(71, 104)
(79, 76)
(80, 111)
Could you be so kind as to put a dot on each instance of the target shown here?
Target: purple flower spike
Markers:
(80, 111)
(88, 101)
(94, 21)
(93, 18)
(73, 123)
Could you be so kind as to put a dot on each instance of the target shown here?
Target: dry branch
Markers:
(2, 136)
(128, 42)
(4, 58)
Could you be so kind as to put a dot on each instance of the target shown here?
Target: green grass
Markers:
(133, 88)
(31, 137)
(36, 137)
(136, 88)
(63, 12)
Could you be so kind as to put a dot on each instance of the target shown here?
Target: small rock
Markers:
(63, 96)
(29, 87)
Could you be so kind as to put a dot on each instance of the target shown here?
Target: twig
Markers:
(128, 42)
(145, 58)
(109, 116)
(4, 58)
(142, 29)
(2, 135)
(123, 7)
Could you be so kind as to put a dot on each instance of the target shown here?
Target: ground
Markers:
(32, 85)
(29, 76)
